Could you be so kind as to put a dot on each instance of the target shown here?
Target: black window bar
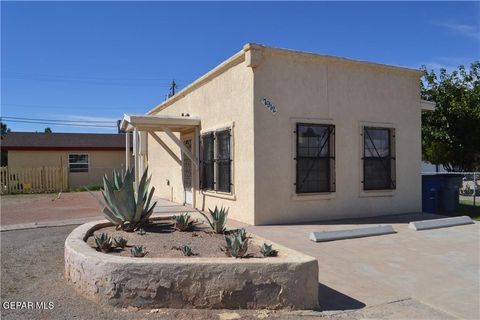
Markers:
(223, 160)
(207, 161)
(317, 176)
(374, 179)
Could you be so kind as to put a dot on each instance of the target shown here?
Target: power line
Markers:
(84, 77)
(61, 107)
(58, 120)
(62, 124)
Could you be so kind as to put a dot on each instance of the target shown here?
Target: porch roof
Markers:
(156, 122)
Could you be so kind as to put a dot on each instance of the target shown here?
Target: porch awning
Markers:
(155, 122)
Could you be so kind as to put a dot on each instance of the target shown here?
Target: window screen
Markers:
(315, 158)
(223, 160)
(378, 159)
(78, 162)
(207, 181)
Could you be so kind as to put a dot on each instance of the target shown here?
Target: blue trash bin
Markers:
(440, 192)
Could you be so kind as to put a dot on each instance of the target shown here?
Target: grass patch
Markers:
(466, 208)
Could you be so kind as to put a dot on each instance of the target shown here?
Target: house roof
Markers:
(62, 141)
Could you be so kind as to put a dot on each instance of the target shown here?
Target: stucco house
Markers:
(281, 136)
(87, 156)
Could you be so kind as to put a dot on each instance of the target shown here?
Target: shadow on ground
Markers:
(331, 300)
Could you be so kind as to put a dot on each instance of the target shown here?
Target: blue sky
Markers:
(97, 60)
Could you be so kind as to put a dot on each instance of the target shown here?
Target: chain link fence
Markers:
(469, 191)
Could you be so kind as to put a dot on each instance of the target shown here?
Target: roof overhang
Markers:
(427, 105)
(156, 122)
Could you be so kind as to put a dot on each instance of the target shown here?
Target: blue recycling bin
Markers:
(440, 192)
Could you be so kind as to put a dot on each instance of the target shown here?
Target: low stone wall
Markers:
(287, 281)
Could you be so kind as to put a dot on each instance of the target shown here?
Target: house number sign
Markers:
(269, 105)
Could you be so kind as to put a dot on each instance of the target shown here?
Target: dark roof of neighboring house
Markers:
(62, 141)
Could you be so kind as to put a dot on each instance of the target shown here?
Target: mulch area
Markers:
(162, 240)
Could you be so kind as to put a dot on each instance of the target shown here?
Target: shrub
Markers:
(104, 242)
(183, 223)
(217, 220)
(236, 245)
(138, 251)
(267, 250)
(126, 208)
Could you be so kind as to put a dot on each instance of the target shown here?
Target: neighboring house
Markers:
(281, 136)
(87, 156)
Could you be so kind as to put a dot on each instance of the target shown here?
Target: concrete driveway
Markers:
(439, 268)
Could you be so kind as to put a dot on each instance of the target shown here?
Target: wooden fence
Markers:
(33, 180)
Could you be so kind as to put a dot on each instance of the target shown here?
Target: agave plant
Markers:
(104, 242)
(120, 242)
(183, 223)
(138, 251)
(187, 250)
(217, 220)
(142, 232)
(240, 232)
(126, 207)
(267, 250)
(236, 245)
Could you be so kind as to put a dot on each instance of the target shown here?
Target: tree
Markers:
(48, 130)
(451, 133)
(5, 129)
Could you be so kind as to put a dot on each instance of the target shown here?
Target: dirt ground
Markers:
(162, 240)
(32, 269)
(25, 208)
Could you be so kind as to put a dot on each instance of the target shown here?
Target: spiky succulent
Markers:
(142, 232)
(126, 207)
(104, 242)
(236, 245)
(240, 232)
(138, 251)
(120, 242)
(217, 220)
(187, 250)
(267, 250)
(184, 223)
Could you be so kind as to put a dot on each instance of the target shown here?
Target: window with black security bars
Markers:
(378, 158)
(315, 164)
(207, 162)
(223, 161)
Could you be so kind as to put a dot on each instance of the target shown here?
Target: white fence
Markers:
(33, 180)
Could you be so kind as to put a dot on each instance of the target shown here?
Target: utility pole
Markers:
(173, 86)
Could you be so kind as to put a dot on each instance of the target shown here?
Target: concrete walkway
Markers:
(439, 268)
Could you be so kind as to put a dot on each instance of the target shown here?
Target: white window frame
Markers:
(81, 154)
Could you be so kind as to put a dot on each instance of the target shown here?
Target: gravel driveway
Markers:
(32, 271)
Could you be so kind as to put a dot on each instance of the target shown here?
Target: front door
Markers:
(187, 140)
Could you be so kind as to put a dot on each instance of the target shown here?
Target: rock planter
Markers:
(287, 281)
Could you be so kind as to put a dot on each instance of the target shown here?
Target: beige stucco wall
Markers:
(322, 90)
(100, 162)
(225, 100)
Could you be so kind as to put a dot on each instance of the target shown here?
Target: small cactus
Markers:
(120, 242)
(267, 250)
(236, 245)
(187, 250)
(138, 251)
(183, 223)
(217, 220)
(104, 242)
(142, 232)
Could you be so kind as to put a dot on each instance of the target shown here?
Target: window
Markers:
(78, 162)
(207, 162)
(378, 158)
(315, 158)
(216, 162)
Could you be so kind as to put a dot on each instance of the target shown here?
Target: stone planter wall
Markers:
(287, 281)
